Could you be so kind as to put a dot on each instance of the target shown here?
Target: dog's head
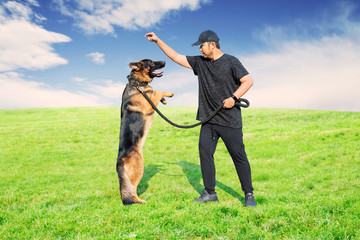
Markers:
(145, 70)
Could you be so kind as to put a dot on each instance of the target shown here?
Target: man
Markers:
(222, 80)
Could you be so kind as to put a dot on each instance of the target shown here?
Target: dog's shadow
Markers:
(149, 172)
(193, 174)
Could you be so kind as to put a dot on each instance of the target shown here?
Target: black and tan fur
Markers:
(136, 119)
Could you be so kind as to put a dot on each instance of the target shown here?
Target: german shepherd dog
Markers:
(136, 119)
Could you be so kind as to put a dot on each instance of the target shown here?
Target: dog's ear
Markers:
(135, 65)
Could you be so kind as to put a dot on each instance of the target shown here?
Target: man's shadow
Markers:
(193, 174)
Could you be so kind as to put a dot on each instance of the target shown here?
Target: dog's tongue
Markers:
(157, 74)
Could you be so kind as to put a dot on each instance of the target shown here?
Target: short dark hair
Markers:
(217, 44)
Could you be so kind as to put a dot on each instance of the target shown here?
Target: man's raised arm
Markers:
(171, 53)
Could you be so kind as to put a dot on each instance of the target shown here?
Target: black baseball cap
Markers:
(206, 36)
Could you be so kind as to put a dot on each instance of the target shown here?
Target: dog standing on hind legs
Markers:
(136, 119)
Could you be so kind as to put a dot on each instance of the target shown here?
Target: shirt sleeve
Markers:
(238, 69)
(193, 61)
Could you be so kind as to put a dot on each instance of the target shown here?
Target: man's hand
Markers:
(229, 102)
(151, 37)
(178, 58)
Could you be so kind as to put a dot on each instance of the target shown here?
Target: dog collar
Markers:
(136, 83)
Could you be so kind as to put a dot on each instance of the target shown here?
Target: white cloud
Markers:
(18, 11)
(175, 80)
(315, 74)
(184, 99)
(183, 84)
(15, 92)
(24, 44)
(21, 11)
(101, 16)
(96, 57)
(34, 3)
(107, 91)
(78, 79)
(112, 91)
(27, 45)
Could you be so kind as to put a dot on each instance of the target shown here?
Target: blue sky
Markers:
(302, 54)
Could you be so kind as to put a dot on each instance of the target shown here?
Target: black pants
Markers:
(233, 139)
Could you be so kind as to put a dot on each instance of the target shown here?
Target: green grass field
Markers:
(58, 178)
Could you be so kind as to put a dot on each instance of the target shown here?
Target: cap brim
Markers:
(198, 43)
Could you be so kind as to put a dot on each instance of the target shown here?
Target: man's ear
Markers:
(134, 65)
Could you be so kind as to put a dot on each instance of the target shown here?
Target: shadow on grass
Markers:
(193, 173)
(149, 172)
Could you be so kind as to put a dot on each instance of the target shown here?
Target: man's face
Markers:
(205, 50)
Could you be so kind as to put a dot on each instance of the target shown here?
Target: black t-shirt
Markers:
(218, 80)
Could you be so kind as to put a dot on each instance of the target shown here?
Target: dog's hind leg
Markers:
(134, 169)
(129, 178)
(126, 188)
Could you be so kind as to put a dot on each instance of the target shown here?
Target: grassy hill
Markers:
(58, 178)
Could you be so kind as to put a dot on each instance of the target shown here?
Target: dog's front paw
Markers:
(171, 94)
(163, 101)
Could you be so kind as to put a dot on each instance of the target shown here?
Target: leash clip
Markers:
(140, 90)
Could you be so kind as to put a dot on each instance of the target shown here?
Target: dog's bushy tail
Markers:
(126, 188)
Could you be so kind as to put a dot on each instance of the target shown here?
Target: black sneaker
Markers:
(206, 197)
(250, 200)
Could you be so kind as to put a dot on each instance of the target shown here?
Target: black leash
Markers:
(242, 102)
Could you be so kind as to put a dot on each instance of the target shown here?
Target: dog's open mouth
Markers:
(156, 66)
(156, 74)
